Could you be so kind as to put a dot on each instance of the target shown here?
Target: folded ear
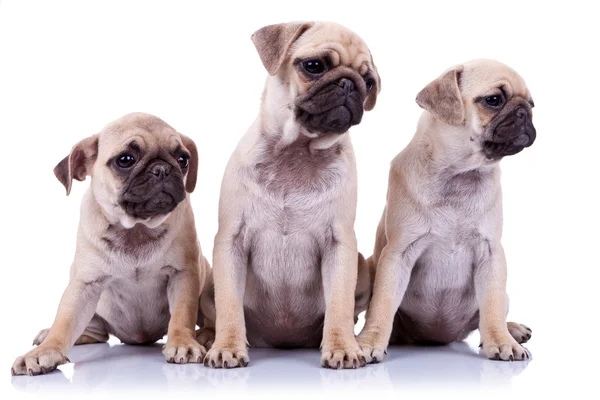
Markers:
(273, 42)
(78, 164)
(192, 174)
(372, 95)
(442, 98)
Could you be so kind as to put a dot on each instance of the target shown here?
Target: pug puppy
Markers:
(285, 255)
(138, 268)
(440, 266)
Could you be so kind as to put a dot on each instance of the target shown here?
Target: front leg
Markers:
(339, 271)
(75, 311)
(229, 349)
(490, 287)
(392, 276)
(183, 292)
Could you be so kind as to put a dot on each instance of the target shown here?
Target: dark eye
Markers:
(494, 101)
(370, 82)
(125, 161)
(183, 162)
(314, 66)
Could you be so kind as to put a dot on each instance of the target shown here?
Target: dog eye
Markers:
(183, 162)
(494, 101)
(125, 161)
(370, 82)
(315, 66)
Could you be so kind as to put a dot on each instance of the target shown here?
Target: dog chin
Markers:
(497, 151)
(487, 160)
(128, 221)
(307, 133)
(338, 121)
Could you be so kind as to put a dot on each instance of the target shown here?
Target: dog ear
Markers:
(442, 98)
(273, 42)
(192, 174)
(78, 164)
(372, 95)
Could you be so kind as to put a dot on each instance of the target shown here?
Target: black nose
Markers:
(521, 113)
(160, 170)
(346, 84)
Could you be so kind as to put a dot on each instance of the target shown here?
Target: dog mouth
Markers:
(495, 150)
(330, 108)
(149, 196)
(160, 204)
(510, 136)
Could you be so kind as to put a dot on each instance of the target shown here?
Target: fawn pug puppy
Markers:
(285, 258)
(440, 266)
(138, 268)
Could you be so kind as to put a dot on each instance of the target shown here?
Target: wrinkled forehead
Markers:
(340, 44)
(484, 77)
(140, 134)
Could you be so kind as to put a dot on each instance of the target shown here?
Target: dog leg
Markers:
(229, 349)
(392, 276)
(206, 335)
(339, 270)
(75, 311)
(490, 287)
(207, 315)
(94, 333)
(364, 287)
(183, 292)
(521, 333)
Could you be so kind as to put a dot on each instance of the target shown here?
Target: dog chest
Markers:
(297, 170)
(136, 248)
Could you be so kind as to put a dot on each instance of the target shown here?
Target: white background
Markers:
(68, 68)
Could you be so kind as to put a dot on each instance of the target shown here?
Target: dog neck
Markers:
(446, 149)
(278, 123)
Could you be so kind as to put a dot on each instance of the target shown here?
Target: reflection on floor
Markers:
(102, 368)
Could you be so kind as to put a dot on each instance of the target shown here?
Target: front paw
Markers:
(232, 356)
(183, 349)
(40, 360)
(338, 354)
(503, 347)
(372, 347)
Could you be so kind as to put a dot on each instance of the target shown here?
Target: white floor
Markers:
(106, 370)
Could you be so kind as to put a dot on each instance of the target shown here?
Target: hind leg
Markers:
(520, 332)
(206, 335)
(364, 286)
(207, 315)
(95, 332)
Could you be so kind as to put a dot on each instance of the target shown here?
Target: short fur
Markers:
(134, 278)
(285, 258)
(440, 266)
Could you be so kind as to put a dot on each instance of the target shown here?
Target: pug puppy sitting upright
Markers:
(285, 255)
(138, 268)
(440, 266)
